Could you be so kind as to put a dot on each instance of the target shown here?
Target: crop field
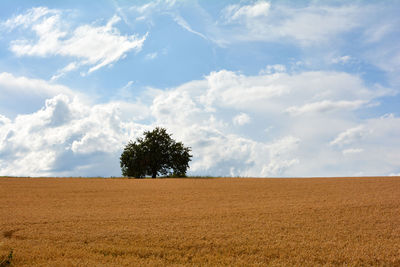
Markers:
(199, 222)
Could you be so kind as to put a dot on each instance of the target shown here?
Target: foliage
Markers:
(155, 154)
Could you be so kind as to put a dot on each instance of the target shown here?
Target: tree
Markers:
(155, 154)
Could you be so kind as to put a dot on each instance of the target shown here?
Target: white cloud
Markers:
(66, 137)
(325, 106)
(4, 120)
(237, 12)
(30, 17)
(198, 113)
(11, 84)
(185, 25)
(93, 46)
(319, 23)
(379, 140)
(300, 92)
(24, 95)
(126, 92)
(147, 11)
(370, 31)
(48, 30)
(386, 58)
(70, 67)
(280, 156)
(379, 31)
(72, 137)
(241, 119)
(349, 136)
(310, 25)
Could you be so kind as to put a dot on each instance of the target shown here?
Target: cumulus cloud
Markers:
(24, 95)
(68, 136)
(374, 143)
(371, 30)
(280, 156)
(198, 112)
(311, 92)
(4, 120)
(92, 46)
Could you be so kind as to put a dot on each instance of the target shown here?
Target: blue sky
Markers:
(256, 88)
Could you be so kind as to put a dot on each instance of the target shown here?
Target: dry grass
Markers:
(200, 222)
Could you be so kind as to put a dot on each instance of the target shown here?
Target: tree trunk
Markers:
(154, 175)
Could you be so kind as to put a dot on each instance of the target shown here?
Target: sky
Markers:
(255, 88)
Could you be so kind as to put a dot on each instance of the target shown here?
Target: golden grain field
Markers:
(200, 222)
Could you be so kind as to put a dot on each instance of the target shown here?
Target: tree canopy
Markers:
(155, 154)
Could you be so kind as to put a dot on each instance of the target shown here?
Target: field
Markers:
(200, 222)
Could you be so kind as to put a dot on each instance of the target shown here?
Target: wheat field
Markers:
(200, 222)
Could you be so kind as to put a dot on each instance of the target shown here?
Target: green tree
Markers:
(155, 154)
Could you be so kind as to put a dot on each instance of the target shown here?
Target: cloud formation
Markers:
(310, 25)
(307, 97)
(25, 95)
(68, 136)
(93, 46)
